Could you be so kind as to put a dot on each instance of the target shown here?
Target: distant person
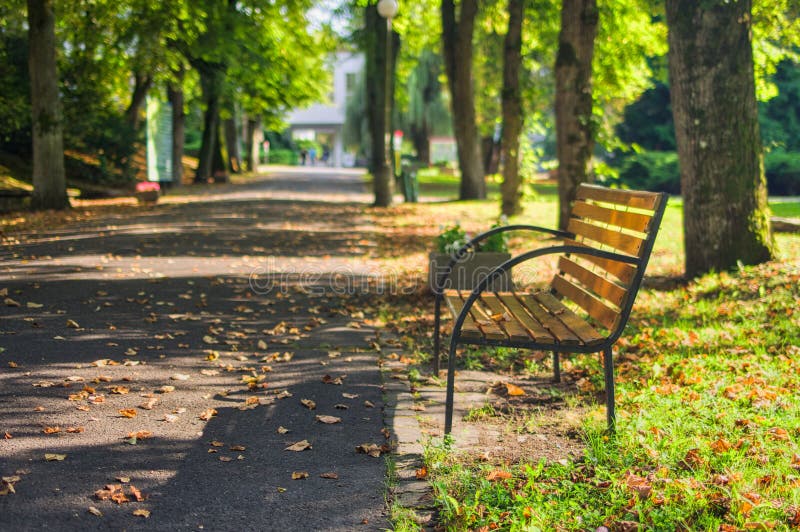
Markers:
(312, 155)
(303, 154)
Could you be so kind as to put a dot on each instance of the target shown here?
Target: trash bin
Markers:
(409, 184)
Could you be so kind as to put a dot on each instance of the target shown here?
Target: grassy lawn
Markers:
(708, 410)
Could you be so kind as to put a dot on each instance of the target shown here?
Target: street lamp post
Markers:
(387, 9)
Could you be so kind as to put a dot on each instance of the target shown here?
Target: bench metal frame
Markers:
(605, 346)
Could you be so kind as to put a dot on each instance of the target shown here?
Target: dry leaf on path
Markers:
(308, 403)
(282, 430)
(142, 513)
(53, 457)
(330, 475)
(513, 390)
(302, 445)
(207, 414)
(299, 475)
(72, 324)
(329, 420)
(370, 449)
(127, 412)
(94, 511)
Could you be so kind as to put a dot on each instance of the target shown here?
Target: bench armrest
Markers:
(471, 244)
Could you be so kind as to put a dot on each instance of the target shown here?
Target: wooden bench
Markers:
(601, 263)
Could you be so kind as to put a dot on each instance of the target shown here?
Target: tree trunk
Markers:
(49, 180)
(211, 83)
(574, 123)
(142, 84)
(421, 139)
(378, 118)
(219, 170)
(232, 143)
(255, 137)
(175, 96)
(513, 118)
(716, 128)
(491, 155)
(457, 45)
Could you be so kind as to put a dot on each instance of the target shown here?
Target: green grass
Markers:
(709, 420)
(785, 209)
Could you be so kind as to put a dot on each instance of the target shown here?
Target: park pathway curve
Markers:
(196, 365)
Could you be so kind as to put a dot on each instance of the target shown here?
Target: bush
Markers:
(651, 170)
(282, 157)
(783, 173)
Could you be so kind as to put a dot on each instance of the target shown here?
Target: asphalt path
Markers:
(157, 364)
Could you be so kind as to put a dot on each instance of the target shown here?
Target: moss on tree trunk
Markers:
(717, 133)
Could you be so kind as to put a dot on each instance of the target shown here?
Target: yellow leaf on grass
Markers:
(498, 474)
(513, 390)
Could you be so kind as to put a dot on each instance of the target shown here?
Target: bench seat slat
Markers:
(593, 281)
(534, 328)
(511, 322)
(585, 332)
(490, 329)
(560, 332)
(469, 329)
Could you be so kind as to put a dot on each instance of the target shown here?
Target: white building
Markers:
(327, 119)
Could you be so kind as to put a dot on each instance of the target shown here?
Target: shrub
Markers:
(783, 172)
(282, 157)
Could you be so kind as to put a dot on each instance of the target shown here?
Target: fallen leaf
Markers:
(141, 512)
(225, 458)
(94, 511)
(302, 445)
(10, 302)
(140, 435)
(51, 430)
(370, 449)
(308, 403)
(72, 324)
(166, 389)
(237, 448)
(124, 480)
(207, 414)
(369, 404)
(513, 390)
(31, 304)
(298, 475)
(350, 395)
(180, 377)
(498, 474)
(75, 430)
(329, 420)
(53, 457)
(422, 473)
(119, 390)
(282, 430)
(341, 406)
(149, 404)
(127, 412)
(330, 475)
(136, 493)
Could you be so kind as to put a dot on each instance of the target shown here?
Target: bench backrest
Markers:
(621, 221)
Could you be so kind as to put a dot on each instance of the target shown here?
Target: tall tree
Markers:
(716, 129)
(379, 104)
(457, 45)
(512, 110)
(573, 108)
(49, 181)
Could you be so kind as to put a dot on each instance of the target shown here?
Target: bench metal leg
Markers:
(608, 364)
(451, 380)
(556, 367)
(436, 335)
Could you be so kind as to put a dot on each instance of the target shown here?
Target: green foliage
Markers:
(282, 156)
(651, 170)
(453, 237)
(783, 172)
